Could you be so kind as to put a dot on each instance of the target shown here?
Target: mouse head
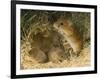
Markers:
(64, 25)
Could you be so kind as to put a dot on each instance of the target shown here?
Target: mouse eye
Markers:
(61, 23)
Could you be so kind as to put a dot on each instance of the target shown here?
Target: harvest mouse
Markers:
(56, 55)
(67, 29)
(38, 55)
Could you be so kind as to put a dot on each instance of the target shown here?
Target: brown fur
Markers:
(67, 29)
(38, 55)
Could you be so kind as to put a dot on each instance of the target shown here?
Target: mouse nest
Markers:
(36, 23)
(28, 63)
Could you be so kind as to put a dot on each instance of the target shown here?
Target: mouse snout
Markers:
(55, 25)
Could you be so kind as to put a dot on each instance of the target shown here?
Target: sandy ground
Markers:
(28, 63)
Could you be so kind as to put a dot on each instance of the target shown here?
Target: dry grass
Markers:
(29, 63)
(35, 21)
